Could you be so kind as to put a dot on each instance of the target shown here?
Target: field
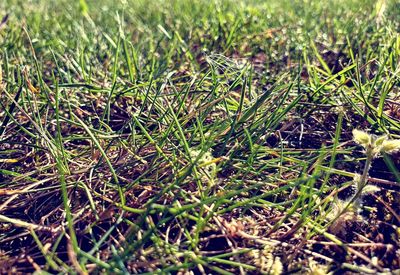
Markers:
(199, 137)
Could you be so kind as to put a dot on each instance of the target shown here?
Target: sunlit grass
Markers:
(197, 136)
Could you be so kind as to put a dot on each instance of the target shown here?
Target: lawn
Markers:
(199, 137)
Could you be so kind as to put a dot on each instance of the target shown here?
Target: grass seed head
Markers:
(390, 146)
(375, 145)
(361, 137)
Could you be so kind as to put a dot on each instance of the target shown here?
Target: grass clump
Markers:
(199, 136)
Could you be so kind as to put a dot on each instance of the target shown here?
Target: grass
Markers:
(196, 136)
